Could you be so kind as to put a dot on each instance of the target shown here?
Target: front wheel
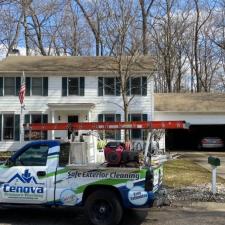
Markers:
(103, 208)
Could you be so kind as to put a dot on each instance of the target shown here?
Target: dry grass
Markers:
(181, 173)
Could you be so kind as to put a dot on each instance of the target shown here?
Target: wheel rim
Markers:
(102, 210)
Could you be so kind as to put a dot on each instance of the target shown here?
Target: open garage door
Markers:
(189, 139)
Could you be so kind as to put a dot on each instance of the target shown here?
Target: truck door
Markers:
(23, 179)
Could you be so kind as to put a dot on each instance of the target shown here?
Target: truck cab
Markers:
(41, 173)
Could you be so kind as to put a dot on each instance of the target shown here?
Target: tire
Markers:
(103, 207)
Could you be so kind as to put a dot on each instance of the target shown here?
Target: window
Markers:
(137, 133)
(33, 156)
(9, 86)
(8, 127)
(137, 86)
(37, 86)
(73, 86)
(108, 86)
(35, 134)
(110, 134)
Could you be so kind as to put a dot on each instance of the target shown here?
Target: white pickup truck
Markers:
(40, 174)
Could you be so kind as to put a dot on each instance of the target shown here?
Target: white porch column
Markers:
(53, 121)
(89, 116)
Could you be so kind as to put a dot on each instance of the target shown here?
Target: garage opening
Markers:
(190, 139)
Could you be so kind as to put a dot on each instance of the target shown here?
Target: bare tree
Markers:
(145, 11)
(94, 18)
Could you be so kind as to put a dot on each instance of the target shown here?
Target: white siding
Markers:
(103, 104)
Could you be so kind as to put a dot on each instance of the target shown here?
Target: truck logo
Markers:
(24, 178)
(31, 187)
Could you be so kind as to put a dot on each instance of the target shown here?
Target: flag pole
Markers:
(22, 105)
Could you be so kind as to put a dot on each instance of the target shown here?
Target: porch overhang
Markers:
(71, 106)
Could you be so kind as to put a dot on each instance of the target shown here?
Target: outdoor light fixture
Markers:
(59, 117)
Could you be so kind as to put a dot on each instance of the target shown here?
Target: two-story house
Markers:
(69, 89)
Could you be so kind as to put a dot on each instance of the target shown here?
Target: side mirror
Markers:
(10, 162)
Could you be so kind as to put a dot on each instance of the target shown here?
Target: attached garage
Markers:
(204, 112)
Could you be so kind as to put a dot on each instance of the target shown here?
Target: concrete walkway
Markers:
(201, 158)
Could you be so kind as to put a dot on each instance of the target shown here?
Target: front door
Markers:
(25, 180)
(72, 119)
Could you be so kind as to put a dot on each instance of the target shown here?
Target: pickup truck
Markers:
(40, 173)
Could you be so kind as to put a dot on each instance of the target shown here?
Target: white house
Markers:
(69, 89)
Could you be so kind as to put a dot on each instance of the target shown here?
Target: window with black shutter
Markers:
(35, 134)
(73, 86)
(109, 86)
(137, 86)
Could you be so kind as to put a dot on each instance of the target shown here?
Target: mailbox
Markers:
(213, 161)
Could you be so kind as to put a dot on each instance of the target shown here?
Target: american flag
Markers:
(22, 89)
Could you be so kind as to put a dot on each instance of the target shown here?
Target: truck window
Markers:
(64, 154)
(33, 156)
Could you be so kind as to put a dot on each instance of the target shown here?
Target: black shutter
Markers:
(129, 117)
(18, 83)
(100, 86)
(27, 132)
(117, 86)
(128, 86)
(100, 117)
(1, 86)
(0, 127)
(27, 118)
(118, 132)
(45, 118)
(64, 86)
(82, 86)
(27, 86)
(17, 128)
(144, 86)
(45, 86)
(144, 117)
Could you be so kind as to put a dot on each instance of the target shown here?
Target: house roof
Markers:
(190, 102)
(71, 65)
